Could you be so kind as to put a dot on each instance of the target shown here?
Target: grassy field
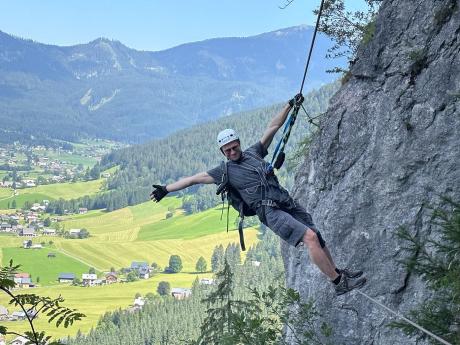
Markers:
(95, 301)
(193, 226)
(5, 193)
(66, 190)
(72, 158)
(22, 198)
(42, 267)
(50, 192)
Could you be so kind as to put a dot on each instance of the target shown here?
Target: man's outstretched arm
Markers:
(279, 119)
(200, 178)
(160, 191)
(274, 125)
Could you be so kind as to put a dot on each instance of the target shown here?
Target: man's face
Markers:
(232, 150)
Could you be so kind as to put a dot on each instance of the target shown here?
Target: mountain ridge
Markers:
(158, 92)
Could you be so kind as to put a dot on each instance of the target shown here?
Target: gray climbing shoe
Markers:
(346, 285)
(351, 274)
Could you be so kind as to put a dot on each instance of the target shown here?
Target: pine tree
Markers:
(217, 258)
(437, 261)
(217, 327)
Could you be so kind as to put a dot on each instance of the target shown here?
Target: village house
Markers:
(206, 281)
(3, 313)
(82, 210)
(142, 269)
(88, 279)
(29, 183)
(181, 293)
(31, 217)
(66, 277)
(20, 341)
(38, 208)
(23, 280)
(28, 232)
(6, 227)
(74, 232)
(49, 232)
(111, 278)
(17, 316)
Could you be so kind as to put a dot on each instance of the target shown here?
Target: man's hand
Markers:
(158, 193)
(297, 100)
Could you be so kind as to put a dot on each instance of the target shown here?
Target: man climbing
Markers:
(254, 180)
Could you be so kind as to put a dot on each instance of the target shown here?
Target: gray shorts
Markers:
(291, 224)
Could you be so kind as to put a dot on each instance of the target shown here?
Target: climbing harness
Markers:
(236, 201)
(279, 155)
(405, 319)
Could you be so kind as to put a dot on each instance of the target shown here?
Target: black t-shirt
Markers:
(248, 176)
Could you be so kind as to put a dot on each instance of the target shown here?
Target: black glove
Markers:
(158, 193)
(297, 100)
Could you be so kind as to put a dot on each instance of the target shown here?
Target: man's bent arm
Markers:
(274, 125)
(185, 182)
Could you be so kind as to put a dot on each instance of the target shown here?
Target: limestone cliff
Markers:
(389, 144)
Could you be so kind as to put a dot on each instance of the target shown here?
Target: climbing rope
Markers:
(312, 44)
(278, 154)
(405, 319)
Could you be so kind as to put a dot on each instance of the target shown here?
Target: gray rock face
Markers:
(388, 146)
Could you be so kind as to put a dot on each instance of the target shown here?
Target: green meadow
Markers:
(36, 262)
(73, 158)
(50, 192)
(5, 193)
(136, 233)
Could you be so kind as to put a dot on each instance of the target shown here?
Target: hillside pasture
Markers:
(49, 192)
(37, 263)
(68, 190)
(189, 226)
(21, 198)
(123, 224)
(5, 193)
(104, 255)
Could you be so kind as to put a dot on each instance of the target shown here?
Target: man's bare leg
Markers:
(318, 255)
(329, 256)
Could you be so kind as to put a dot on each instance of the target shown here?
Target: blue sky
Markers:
(149, 25)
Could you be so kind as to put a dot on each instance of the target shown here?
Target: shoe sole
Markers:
(359, 285)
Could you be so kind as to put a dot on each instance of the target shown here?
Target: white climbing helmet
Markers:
(226, 136)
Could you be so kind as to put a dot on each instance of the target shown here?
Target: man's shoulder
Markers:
(258, 148)
(254, 147)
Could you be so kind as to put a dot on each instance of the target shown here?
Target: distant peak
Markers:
(105, 40)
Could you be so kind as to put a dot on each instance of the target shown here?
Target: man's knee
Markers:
(312, 237)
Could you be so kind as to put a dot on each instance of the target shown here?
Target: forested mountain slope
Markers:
(194, 150)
